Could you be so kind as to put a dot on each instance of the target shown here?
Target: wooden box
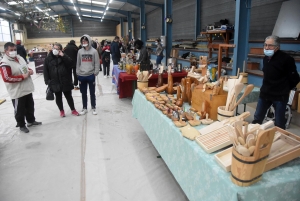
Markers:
(282, 151)
(253, 65)
(174, 53)
(256, 50)
(295, 102)
(212, 102)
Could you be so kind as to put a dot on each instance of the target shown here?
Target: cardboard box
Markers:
(295, 102)
(253, 65)
(298, 103)
(256, 50)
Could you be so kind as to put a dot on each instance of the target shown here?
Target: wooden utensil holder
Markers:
(142, 84)
(246, 171)
(224, 114)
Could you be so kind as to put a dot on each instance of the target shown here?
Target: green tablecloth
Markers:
(197, 172)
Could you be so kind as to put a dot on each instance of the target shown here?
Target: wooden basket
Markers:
(246, 171)
(142, 84)
(224, 114)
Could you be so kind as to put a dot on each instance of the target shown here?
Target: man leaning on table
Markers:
(280, 76)
(18, 82)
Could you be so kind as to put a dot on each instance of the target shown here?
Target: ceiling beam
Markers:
(154, 4)
(90, 7)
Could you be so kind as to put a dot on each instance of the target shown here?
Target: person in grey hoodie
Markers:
(87, 68)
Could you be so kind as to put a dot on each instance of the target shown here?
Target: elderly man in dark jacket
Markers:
(115, 50)
(71, 50)
(57, 76)
(21, 50)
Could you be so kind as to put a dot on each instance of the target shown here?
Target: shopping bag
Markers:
(49, 94)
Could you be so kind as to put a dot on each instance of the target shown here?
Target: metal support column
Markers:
(163, 15)
(168, 27)
(72, 28)
(241, 33)
(143, 21)
(197, 20)
(122, 26)
(129, 25)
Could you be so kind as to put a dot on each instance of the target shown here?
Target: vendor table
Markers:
(197, 172)
(126, 84)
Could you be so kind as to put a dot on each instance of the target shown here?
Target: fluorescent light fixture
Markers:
(35, 21)
(103, 17)
(18, 14)
(2, 8)
(104, 13)
(101, 20)
(80, 21)
(12, 3)
(107, 8)
(86, 15)
(47, 14)
(38, 9)
(97, 2)
(55, 15)
(110, 1)
(85, 9)
(71, 1)
(77, 14)
(97, 11)
(75, 8)
(96, 17)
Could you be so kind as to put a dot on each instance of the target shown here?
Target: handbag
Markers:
(49, 94)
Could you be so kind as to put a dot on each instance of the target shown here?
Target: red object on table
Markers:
(125, 82)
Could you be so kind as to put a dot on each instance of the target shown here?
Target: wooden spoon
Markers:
(247, 91)
(237, 90)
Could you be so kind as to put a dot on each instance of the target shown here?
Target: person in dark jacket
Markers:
(21, 50)
(57, 76)
(144, 58)
(115, 50)
(71, 50)
(105, 55)
(159, 52)
(280, 76)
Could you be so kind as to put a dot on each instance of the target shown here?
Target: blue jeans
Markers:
(84, 81)
(158, 59)
(262, 107)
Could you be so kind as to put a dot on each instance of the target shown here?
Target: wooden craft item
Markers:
(183, 90)
(247, 91)
(207, 121)
(180, 123)
(214, 140)
(237, 89)
(194, 122)
(241, 171)
(170, 89)
(189, 132)
(178, 95)
(188, 90)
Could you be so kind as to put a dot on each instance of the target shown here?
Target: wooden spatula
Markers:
(247, 91)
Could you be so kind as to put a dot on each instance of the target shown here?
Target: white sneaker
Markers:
(83, 112)
(94, 111)
(105, 76)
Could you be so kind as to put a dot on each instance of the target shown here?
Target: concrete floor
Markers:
(106, 157)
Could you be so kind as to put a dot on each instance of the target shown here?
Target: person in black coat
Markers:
(280, 76)
(57, 76)
(115, 50)
(71, 50)
(144, 58)
(21, 50)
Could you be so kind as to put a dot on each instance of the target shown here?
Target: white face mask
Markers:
(12, 54)
(55, 52)
(84, 45)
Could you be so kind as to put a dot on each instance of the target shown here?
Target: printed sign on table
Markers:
(39, 58)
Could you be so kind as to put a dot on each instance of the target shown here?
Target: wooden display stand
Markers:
(212, 102)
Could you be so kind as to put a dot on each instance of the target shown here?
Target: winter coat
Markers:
(21, 51)
(71, 50)
(57, 72)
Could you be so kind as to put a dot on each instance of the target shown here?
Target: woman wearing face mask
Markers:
(144, 58)
(57, 67)
(280, 76)
(159, 52)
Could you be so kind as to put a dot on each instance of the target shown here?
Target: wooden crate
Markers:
(253, 65)
(256, 50)
(295, 102)
(282, 151)
(211, 102)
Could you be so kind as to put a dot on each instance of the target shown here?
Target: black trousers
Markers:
(106, 65)
(115, 60)
(24, 108)
(59, 101)
(75, 76)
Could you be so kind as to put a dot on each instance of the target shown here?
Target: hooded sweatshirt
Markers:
(88, 62)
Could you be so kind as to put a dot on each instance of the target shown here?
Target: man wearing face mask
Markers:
(159, 52)
(87, 68)
(280, 76)
(19, 85)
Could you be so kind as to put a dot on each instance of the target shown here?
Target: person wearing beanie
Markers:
(71, 50)
(21, 50)
(87, 68)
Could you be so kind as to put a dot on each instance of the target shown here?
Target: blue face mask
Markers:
(269, 53)
(156, 43)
